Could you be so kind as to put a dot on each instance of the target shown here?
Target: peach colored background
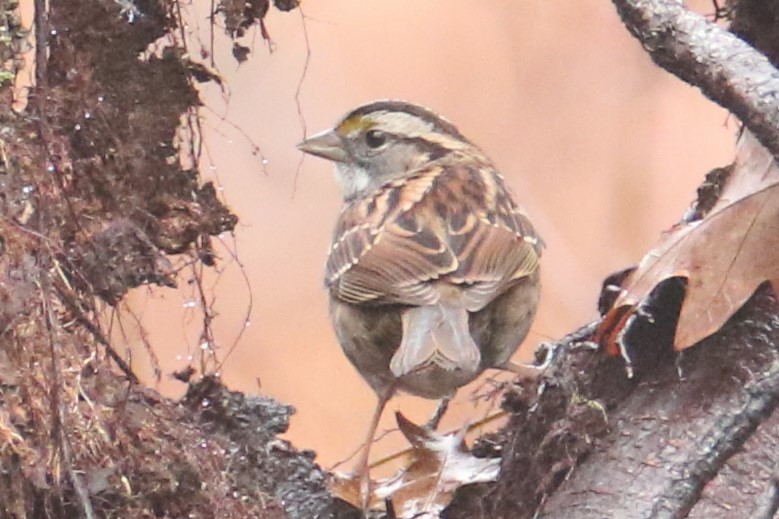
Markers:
(603, 149)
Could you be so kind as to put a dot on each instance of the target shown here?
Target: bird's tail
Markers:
(436, 334)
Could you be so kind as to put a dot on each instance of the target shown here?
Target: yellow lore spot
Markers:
(354, 124)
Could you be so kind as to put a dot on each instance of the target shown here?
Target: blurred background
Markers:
(603, 149)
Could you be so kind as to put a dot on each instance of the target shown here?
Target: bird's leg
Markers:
(529, 371)
(523, 371)
(440, 411)
(361, 469)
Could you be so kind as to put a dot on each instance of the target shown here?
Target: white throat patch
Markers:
(352, 178)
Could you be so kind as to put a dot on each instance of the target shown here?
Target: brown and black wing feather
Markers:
(445, 226)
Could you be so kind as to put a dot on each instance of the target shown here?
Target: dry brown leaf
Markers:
(438, 465)
(725, 256)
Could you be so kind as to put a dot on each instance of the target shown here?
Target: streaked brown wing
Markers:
(447, 225)
(493, 239)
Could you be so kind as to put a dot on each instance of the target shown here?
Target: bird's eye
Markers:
(375, 139)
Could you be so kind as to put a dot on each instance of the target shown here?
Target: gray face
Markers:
(381, 142)
(376, 158)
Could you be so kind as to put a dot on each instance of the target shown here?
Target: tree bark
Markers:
(693, 434)
(729, 71)
(690, 435)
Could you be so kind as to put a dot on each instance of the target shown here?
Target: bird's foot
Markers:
(440, 411)
(531, 372)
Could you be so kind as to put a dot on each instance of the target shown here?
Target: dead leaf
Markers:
(347, 488)
(724, 256)
(438, 465)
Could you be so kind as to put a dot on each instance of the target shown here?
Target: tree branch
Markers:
(727, 70)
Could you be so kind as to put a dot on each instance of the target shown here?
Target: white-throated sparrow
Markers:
(433, 271)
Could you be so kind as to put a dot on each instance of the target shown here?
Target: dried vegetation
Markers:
(94, 200)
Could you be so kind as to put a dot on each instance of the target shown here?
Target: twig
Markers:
(78, 482)
(41, 23)
(70, 301)
(233, 252)
(298, 90)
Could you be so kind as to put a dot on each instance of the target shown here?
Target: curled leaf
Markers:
(724, 255)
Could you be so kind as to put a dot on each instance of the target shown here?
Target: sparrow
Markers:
(433, 271)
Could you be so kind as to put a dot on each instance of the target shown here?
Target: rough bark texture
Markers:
(693, 434)
(726, 69)
(94, 201)
(685, 437)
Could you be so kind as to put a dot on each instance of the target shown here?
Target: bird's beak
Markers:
(327, 145)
